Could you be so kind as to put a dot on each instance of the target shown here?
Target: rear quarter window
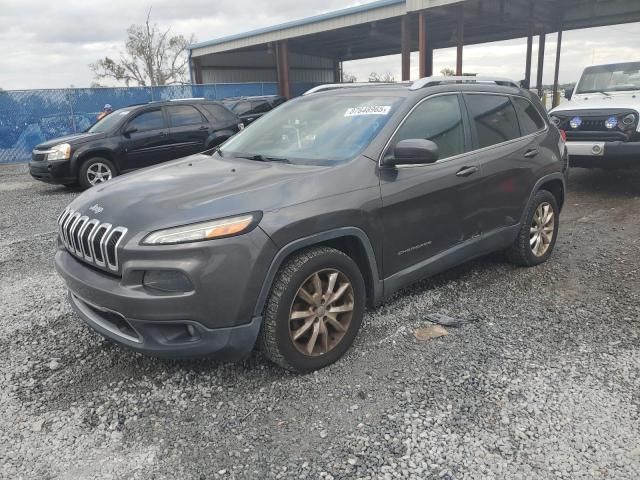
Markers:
(220, 113)
(528, 116)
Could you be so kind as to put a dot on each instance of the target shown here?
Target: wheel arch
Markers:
(350, 240)
(554, 183)
(86, 155)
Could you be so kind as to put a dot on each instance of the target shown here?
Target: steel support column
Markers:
(541, 47)
(197, 70)
(405, 40)
(556, 77)
(426, 52)
(460, 39)
(527, 70)
(282, 64)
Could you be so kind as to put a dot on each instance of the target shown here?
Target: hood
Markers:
(194, 189)
(595, 101)
(73, 140)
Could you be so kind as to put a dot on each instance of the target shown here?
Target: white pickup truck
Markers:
(602, 118)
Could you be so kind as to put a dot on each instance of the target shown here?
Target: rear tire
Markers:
(95, 171)
(314, 310)
(538, 233)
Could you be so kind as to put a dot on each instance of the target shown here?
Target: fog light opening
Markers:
(167, 281)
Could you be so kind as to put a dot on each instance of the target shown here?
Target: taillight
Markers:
(563, 135)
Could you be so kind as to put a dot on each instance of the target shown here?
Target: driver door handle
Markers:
(466, 171)
(531, 153)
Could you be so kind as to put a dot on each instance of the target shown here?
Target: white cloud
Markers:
(49, 44)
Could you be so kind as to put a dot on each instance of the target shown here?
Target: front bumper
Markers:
(56, 172)
(214, 319)
(604, 154)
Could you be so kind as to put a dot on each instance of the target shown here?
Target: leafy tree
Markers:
(152, 57)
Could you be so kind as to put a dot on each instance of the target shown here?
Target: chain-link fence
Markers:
(30, 117)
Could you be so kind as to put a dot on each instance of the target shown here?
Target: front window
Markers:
(110, 122)
(620, 77)
(315, 129)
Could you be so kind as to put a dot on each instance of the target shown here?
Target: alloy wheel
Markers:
(321, 312)
(542, 229)
(99, 173)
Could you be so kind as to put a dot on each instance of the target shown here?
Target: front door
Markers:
(145, 140)
(428, 209)
(189, 130)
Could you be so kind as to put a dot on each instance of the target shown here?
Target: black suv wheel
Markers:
(538, 233)
(96, 171)
(314, 310)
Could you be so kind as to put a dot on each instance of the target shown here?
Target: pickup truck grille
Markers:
(90, 240)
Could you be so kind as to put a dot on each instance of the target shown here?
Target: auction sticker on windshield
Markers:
(368, 110)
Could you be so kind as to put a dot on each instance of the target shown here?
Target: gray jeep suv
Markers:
(283, 236)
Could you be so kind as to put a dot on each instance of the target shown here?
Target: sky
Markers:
(50, 44)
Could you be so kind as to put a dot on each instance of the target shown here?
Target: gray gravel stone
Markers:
(541, 380)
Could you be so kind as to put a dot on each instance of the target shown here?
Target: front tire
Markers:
(538, 233)
(314, 310)
(96, 171)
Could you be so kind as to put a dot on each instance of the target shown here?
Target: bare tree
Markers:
(349, 77)
(387, 77)
(448, 72)
(151, 57)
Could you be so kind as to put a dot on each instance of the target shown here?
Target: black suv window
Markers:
(182, 115)
(438, 119)
(494, 119)
(220, 113)
(150, 120)
(261, 107)
(242, 108)
(529, 118)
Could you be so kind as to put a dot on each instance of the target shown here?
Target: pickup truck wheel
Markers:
(314, 310)
(538, 234)
(96, 171)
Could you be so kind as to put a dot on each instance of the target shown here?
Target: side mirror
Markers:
(130, 130)
(568, 94)
(413, 152)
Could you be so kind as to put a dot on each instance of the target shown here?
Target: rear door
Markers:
(145, 140)
(506, 155)
(188, 129)
(428, 209)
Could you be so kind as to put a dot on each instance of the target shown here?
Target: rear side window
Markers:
(493, 118)
(220, 113)
(529, 118)
(153, 120)
(183, 115)
(242, 108)
(438, 119)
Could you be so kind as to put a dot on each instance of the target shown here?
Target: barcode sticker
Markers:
(368, 110)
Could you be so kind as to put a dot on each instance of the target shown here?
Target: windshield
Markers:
(109, 122)
(315, 130)
(621, 77)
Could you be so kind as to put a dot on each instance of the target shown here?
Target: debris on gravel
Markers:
(544, 383)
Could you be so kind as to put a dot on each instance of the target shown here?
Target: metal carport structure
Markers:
(312, 49)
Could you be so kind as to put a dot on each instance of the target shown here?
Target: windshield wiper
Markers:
(263, 158)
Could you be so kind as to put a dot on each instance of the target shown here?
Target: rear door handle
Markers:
(162, 134)
(204, 127)
(467, 171)
(531, 153)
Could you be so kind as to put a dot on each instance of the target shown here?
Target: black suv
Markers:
(132, 138)
(249, 109)
(329, 204)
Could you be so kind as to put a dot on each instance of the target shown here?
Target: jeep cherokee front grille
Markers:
(90, 240)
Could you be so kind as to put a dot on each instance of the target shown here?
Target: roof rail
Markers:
(187, 99)
(433, 81)
(338, 86)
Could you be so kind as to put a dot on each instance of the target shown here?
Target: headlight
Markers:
(555, 120)
(629, 120)
(59, 152)
(197, 232)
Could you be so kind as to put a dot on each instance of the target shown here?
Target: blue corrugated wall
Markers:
(29, 117)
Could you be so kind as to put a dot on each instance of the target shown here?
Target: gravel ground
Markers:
(542, 382)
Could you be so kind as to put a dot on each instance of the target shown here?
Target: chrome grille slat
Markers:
(90, 240)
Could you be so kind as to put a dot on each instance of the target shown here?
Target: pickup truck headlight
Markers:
(59, 152)
(197, 232)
